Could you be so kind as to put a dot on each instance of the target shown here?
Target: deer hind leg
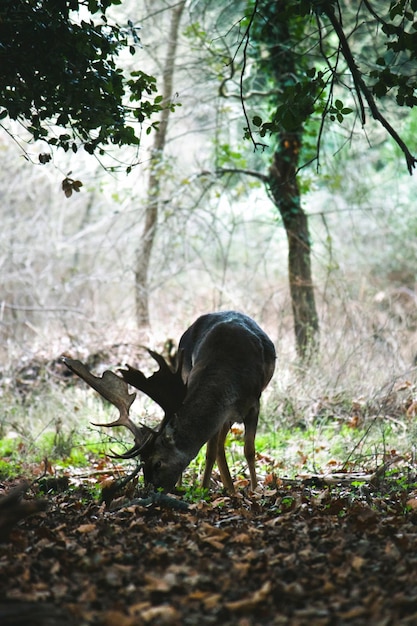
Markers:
(221, 459)
(215, 451)
(251, 424)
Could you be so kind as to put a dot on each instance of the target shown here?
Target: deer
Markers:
(224, 362)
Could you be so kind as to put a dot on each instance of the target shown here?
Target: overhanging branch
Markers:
(362, 89)
(238, 170)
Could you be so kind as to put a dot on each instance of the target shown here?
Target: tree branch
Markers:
(245, 39)
(362, 89)
(237, 170)
(373, 12)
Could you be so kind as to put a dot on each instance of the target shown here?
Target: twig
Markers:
(108, 493)
(380, 472)
(245, 39)
(157, 498)
(238, 170)
(362, 89)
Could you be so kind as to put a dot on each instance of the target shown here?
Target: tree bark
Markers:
(286, 195)
(284, 66)
(144, 251)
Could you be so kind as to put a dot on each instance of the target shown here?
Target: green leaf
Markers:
(88, 103)
(396, 8)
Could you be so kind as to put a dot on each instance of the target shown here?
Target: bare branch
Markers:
(373, 12)
(237, 170)
(362, 89)
(245, 39)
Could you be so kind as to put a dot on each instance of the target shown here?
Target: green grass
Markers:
(55, 424)
(52, 425)
(324, 448)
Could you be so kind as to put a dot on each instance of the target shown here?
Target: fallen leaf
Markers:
(164, 614)
(86, 528)
(358, 562)
(251, 602)
(117, 618)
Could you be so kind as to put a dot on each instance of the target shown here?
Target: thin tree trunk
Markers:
(286, 194)
(144, 251)
(283, 64)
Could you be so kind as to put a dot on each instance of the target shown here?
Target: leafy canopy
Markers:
(60, 77)
(308, 79)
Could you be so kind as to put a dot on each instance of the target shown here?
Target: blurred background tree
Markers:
(70, 273)
(292, 64)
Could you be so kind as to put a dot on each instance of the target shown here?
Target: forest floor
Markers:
(307, 551)
(301, 553)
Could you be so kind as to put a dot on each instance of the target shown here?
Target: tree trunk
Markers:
(144, 251)
(284, 65)
(286, 194)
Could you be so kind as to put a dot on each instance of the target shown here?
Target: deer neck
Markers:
(207, 406)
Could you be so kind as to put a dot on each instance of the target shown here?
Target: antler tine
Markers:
(164, 386)
(115, 390)
(163, 365)
(148, 434)
(166, 367)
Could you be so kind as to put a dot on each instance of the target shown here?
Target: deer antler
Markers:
(165, 386)
(115, 390)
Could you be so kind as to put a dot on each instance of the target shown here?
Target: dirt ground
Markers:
(295, 554)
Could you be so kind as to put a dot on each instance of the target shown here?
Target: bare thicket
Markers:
(68, 265)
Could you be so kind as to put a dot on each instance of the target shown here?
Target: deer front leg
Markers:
(251, 424)
(211, 451)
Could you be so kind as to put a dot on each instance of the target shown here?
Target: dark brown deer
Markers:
(225, 361)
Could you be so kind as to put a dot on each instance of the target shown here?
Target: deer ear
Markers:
(168, 432)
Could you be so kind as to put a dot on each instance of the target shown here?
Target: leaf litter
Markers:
(296, 554)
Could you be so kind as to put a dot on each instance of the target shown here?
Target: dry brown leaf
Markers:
(117, 618)
(251, 602)
(198, 595)
(217, 545)
(163, 614)
(412, 503)
(86, 528)
(139, 607)
(412, 409)
(354, 612)
(89, 594)
(212, 601)
(208, 530)
(241, 483)
(242, 538)
(358, 562)
(241, 569)
(163, 584)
